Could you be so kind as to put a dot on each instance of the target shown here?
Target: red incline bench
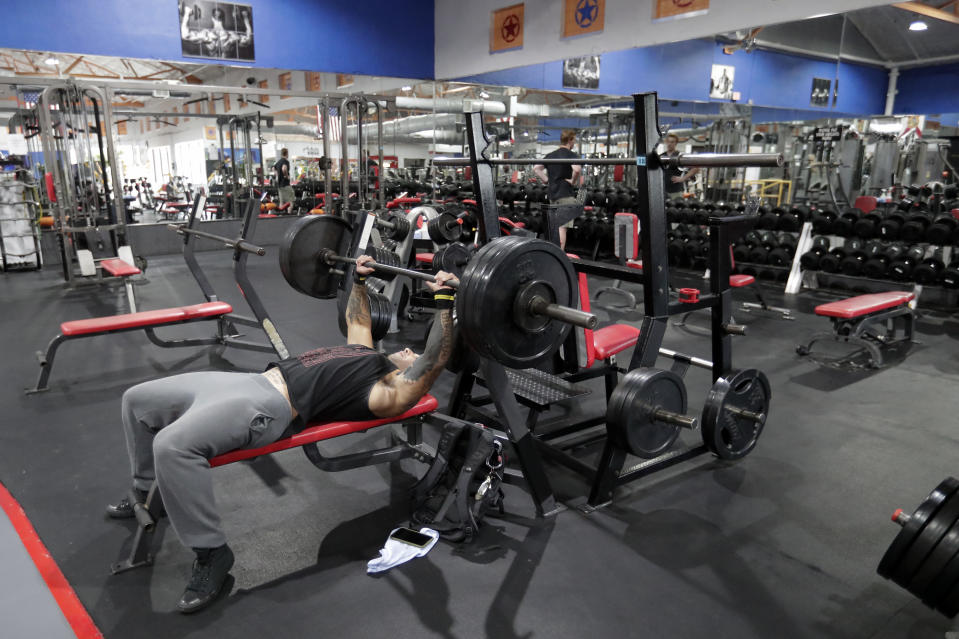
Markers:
(856, 319)
(144, 320)
(412, 446)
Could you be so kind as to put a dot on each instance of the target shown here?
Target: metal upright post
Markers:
(653, 227)
(483, 191)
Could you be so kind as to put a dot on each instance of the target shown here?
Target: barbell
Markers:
(237, 243)
(515, 302)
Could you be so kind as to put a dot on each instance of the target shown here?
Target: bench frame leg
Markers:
(46, 364)
(147, 515)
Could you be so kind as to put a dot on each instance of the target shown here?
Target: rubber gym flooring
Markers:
(783, 544)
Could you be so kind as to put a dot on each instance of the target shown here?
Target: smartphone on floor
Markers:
(411, 537)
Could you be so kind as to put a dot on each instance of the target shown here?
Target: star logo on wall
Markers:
(510, 28)
(586, 12)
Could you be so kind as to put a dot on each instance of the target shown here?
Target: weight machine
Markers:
(736, 413)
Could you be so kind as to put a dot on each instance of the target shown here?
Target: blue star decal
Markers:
(586, 12)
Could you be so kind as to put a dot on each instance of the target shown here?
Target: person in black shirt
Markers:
(562, 180)
(674, 178)
(281, 177)
(174, 425)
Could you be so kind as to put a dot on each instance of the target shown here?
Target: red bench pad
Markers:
(425, 258)
(737, 281)
(864, 304)
(610, 340)
(319, 432)
(118, 267)
(636, 264)
(144, 318)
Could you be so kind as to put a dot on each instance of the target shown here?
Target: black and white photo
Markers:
(220, 30)
(721, 82)
(819, 95)
(581, 73)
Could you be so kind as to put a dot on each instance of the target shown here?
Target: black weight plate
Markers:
(492, 280)
(452, 259)
(924, 543)
(629, 417)
(917, 521)
(726, 434)
(935, 565)
(949, 605)
(381, 315)
(299, 252)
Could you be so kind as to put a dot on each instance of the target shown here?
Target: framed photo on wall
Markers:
(721, 82)
(219, 30)
(581, 73)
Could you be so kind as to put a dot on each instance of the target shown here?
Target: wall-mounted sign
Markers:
(828, 133)
(343, 80)
(209, 132)
(668, 9)
(821, 88)
(721, 82)
(583, 16)
(581, 73)
(506, 28)
(212, 29)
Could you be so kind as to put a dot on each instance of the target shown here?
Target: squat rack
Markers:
(612, 470)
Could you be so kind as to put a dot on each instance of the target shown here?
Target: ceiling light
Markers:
(406, 87)
(51, 61)
(918, 25)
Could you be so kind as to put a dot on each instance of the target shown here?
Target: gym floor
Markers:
(784, 543)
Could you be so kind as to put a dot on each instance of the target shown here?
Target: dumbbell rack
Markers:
(612, 470)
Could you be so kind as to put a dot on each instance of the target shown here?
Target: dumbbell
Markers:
(783, 253)
(857, 256)
(914, 230)
(445, 228)
(810, 259)
(877, 266)
(831, 261)
(867, 226)
(759, 254)
(843, 225)
(891, 224)
(941, 231)
(676, 248)
(950, 275)
(930, 270)
(694, 243)
(768, 218)
(902, 268)
(793, 218)
(740, 250)
(823, 220)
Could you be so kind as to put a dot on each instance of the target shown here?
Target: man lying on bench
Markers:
(174, 425)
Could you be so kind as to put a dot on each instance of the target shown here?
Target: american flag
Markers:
(334, 123)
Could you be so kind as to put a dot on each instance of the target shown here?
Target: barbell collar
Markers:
(238, 243)
(900, 517)
(576, 317)
(668, 416)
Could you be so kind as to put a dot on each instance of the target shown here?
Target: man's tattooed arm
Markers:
(358, 322)
(418, 378)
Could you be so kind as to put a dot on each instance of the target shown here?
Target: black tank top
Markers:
(334, 383)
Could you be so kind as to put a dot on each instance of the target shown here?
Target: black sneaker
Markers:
(123, 509)
(211, 578)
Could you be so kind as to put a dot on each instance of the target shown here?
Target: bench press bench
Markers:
(143, 320)
(148, 512)
(854, 319)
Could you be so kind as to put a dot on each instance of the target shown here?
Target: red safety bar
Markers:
(397, 202)
(319, 432)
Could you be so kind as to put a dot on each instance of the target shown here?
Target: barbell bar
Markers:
(237, 243)
(682, 160)
(534, 305)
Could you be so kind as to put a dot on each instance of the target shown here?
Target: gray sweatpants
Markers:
(175, 424)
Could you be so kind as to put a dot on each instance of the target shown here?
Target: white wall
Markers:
(462, 29)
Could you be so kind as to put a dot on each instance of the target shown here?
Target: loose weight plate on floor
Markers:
(630, 419)
(735, 412)
(299, 254)
(491, 285)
